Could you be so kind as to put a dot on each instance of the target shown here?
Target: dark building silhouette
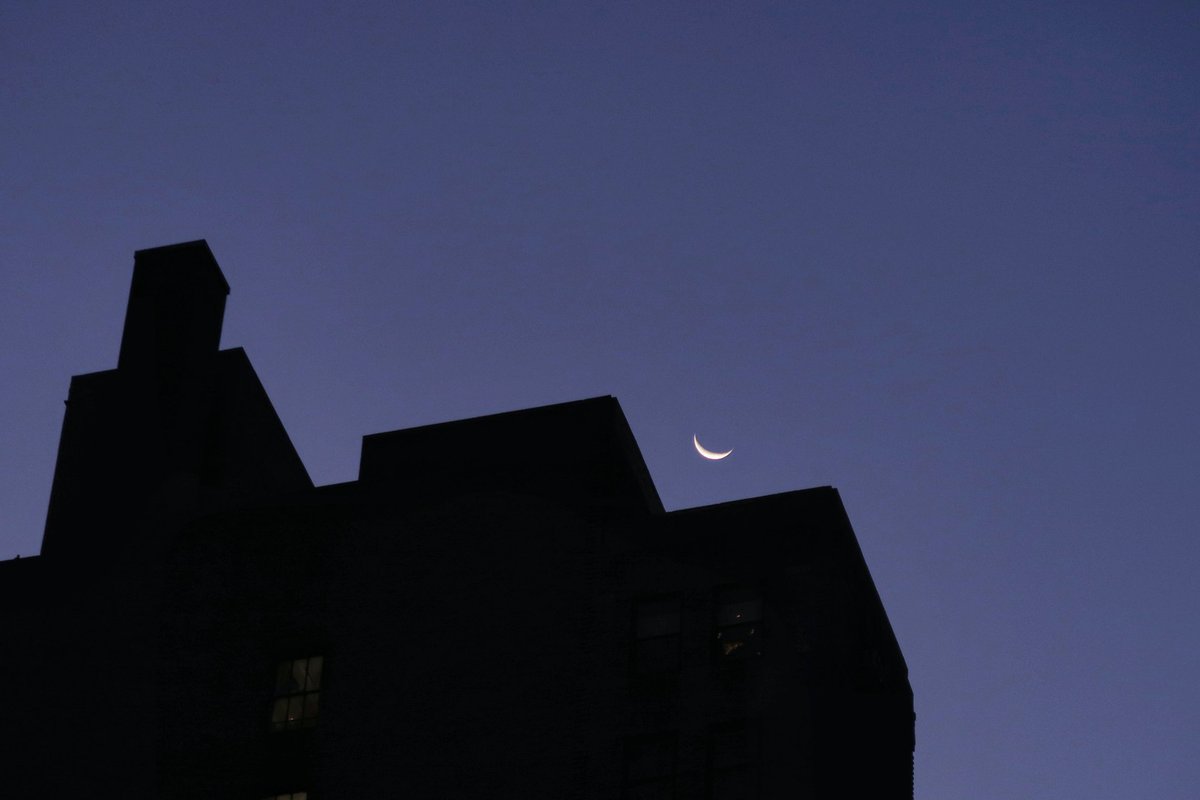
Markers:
(497, 608)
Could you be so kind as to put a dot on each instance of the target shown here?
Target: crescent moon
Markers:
(709, 454)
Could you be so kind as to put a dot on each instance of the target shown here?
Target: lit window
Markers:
(739, 624)
(656, 626)
(297, 696)
(650, 763)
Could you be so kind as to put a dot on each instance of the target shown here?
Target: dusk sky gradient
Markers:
(942, 256)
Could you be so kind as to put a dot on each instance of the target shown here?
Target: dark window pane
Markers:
(653, 618)
(310, 705)
(738, 641)
(649, 758)
(295, 708)
(729, 747)
(656, 655)
(736, 612)
(314, 673)
(656, 790)
(283, 677)
(279, 712)
(299, 675)
(739, 623)
(732, 784)
(733, 753)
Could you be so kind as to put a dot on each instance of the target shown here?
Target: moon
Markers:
(709, 454)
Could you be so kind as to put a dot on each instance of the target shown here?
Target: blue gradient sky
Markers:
(943, 256)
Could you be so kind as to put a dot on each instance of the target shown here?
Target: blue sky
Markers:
(943, 256)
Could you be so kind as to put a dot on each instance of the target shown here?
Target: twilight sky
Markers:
(943, 256)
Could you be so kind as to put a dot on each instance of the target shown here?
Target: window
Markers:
(739, 624)
(297, 697)
(732, 753)
(290, 796)
(650, 767)
(656, 626)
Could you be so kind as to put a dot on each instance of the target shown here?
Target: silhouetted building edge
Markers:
(497, 606)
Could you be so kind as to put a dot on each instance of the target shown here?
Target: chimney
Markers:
(133, 438)
(176, 307)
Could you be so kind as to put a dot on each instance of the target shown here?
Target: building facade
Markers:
(496, 607)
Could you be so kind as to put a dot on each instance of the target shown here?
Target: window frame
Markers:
(743, 766)
(641, 664)
(302, 699)
(746, 633)
(632, 787)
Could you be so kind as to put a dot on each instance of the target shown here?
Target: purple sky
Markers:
(943, 257)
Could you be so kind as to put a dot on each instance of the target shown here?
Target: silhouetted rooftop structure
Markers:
(497, 607)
